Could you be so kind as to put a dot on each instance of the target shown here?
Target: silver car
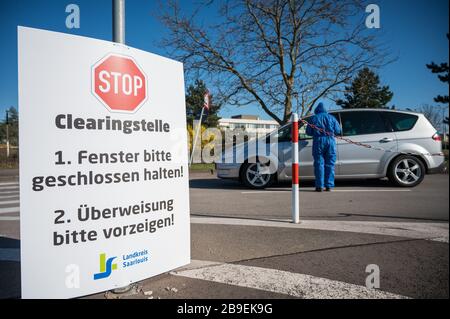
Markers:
(413, 144)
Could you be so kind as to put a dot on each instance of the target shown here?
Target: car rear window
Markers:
(401, 121)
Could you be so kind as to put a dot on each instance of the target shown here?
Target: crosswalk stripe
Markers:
(8, 197)
(284, 282)
(6, 210)
(9, 184)
(8, 202)
(9, 218)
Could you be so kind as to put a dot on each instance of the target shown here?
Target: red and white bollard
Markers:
(294, 153)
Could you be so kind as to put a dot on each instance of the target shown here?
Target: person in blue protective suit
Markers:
(324, 147)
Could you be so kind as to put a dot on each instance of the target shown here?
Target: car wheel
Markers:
(406, 171)
(252, 175)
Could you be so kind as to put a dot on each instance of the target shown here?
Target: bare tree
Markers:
(284, 55)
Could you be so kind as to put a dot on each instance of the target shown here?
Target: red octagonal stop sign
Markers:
(119, 83)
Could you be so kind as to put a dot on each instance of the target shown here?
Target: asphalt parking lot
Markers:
(244, 246)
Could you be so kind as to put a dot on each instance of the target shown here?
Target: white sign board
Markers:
(104, 195)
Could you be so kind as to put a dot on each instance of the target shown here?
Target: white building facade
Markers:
(249, 123)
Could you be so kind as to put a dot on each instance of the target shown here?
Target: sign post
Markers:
(206, 102)
(295, 189)
(119, 21)
(103, 169)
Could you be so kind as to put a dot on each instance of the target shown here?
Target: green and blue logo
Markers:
(106, 267)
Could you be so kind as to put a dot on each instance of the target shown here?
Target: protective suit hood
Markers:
(320, 109)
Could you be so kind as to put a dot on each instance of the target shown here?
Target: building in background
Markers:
(249, 123)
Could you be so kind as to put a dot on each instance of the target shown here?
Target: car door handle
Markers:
(386, 140)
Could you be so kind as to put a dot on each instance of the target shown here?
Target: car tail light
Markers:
(436, 137)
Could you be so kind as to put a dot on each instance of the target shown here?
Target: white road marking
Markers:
(6, 210)
(9, 184)
(333, 191)
(283, 282)
(432, 231)
(9, 189)
(195, 264)
(9, 218)
(370, 190)
(8, 202)
(9, 254)
(440, 239)
(265, 192)
(8, 197)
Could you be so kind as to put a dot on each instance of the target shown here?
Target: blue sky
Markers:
(414, 30)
